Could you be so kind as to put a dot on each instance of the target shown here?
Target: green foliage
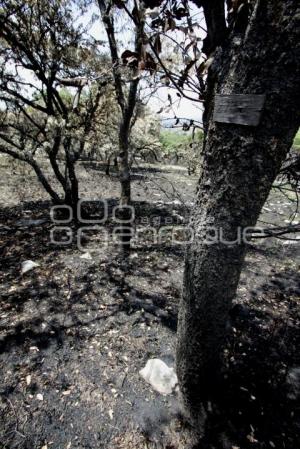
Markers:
(172, 140)
(297, 141)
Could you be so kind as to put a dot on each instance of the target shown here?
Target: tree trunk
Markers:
(125, 179)
(71, 190)
(125, 197)
(43, 180)
(240, 164)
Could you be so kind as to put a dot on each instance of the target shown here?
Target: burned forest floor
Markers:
(77, 328)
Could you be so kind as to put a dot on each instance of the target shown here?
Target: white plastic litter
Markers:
(28, 265)
(162, 378)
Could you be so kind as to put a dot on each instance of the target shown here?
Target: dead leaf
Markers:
(66, 392)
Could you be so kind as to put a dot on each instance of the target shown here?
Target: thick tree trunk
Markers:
(239, 167)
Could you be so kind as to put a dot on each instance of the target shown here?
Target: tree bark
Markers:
(125, 183)
(71, 189)
(45, 183)
(127, 106)
(240, 164)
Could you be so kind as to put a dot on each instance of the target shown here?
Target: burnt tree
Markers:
(49, 93)
(257, 55)
(126, 97)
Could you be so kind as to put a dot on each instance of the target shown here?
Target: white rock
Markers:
(134, 256)
(162, 378)
(86, 256)
(28, 265)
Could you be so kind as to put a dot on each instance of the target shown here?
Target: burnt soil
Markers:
(74, 332)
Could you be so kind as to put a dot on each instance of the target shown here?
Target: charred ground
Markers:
(76, 331)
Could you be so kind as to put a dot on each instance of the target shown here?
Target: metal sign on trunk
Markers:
(239, 109)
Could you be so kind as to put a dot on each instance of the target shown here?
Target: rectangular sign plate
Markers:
(239, 109)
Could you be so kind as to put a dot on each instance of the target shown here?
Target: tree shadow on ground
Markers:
(59, 304)
(252, 407)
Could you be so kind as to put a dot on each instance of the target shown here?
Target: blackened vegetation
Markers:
(82, 329)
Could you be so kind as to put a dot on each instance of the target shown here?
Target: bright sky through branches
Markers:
(182, 108)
